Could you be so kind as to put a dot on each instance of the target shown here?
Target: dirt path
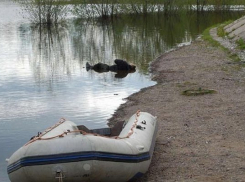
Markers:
(201, 138)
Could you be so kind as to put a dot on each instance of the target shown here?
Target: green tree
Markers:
(45, 11)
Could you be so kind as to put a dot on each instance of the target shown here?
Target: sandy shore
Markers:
(201, 138)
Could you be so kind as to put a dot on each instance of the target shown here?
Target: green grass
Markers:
(241, 43)
(235, 57)
(220, 27)
(220, 32)
(206, 36)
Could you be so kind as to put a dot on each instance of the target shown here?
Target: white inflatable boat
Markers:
(67, 152)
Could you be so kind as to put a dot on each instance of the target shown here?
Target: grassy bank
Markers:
(221, 33)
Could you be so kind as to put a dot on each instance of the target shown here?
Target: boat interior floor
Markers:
(114, 131)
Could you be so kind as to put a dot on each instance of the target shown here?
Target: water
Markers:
(43, 75)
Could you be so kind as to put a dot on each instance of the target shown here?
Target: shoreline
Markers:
(200, 138)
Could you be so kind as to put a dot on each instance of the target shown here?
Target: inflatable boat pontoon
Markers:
(67, 152)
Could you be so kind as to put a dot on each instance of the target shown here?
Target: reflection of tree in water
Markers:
(121, 38)
(138, 39)
(91, 42)
(51, 52)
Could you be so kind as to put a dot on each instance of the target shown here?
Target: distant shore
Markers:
(201, 138)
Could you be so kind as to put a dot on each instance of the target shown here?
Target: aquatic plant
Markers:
(199, 91)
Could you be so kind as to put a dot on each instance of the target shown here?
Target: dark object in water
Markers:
(99, 67)
(121, 67)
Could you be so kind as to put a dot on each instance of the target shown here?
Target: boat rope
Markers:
(39, 137)
(132, 128)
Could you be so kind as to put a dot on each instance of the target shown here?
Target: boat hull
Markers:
(86, 157)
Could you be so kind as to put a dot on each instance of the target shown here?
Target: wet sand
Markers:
(200, 138)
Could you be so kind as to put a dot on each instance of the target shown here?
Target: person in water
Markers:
(121, 67)
(99, 67)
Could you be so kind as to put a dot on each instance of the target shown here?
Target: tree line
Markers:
(53, 11)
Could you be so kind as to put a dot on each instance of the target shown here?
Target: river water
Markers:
(43, 75)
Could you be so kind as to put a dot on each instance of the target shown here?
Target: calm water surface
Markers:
(43, 75)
